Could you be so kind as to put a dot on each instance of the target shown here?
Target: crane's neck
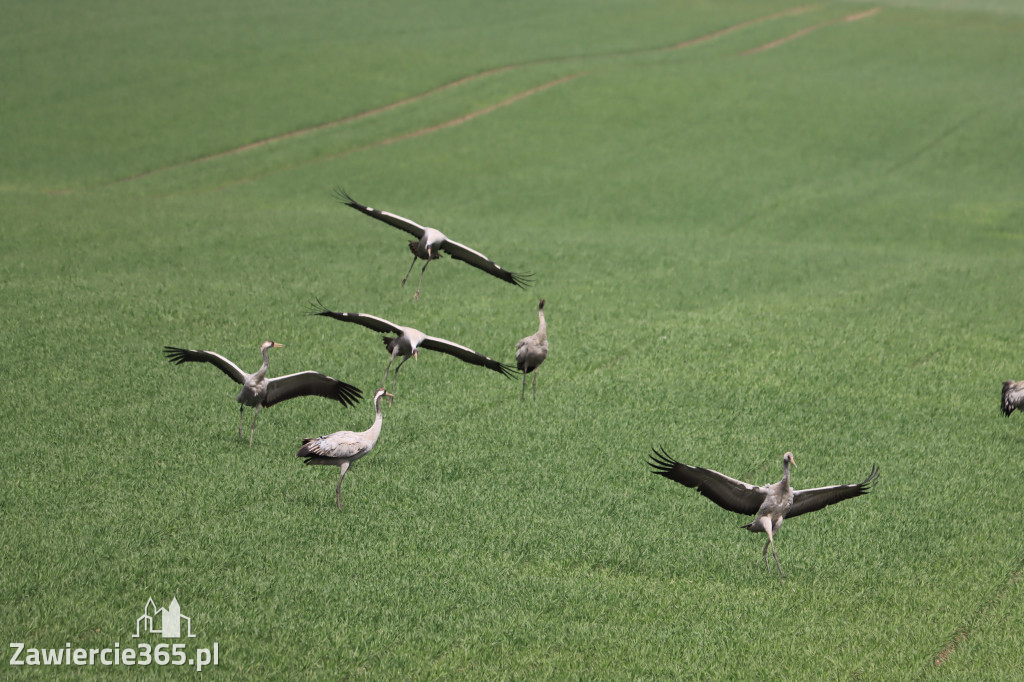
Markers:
(542, 330)
(262, 371)
(785, 473)
(378, 420)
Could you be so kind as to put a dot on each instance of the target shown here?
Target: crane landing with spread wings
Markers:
(429, 244)
(770, 504)
(259, 391)
(408, 341)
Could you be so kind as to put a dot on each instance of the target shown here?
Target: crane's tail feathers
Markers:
(1006, 404)
(310, 451)
(176, 355)
(322, 461)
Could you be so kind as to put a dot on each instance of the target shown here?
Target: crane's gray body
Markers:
(533, 350)
(342, 448)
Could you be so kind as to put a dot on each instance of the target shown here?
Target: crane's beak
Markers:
(277, 345)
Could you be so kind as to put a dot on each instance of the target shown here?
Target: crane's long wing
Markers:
(181, 355)
(310, 383)
(814, 499)
(726, 492)
(370, 321)
(404, 224)
(467, 355)
(478, 260)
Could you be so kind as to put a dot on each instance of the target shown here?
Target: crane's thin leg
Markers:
(384, 384)
(410, 269)
(241, 417)
(534, 384)
(337, 491)
(419, 283)
(523, 394)
(776, 556)
(394, 385)
(252, 431)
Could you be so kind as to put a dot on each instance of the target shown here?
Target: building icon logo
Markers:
(164, 622)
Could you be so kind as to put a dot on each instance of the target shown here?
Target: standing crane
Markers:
(770, 504)
(342, 448)
(407, 342)
(532, 350)
(429, 244)
(1013, 396)
(258, 391)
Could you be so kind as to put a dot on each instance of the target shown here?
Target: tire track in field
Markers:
(936, 141)
(321, 126)
(804, 31)
(454, 84)
(963, 633)
(415, 133)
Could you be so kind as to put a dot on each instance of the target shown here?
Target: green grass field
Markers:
(815, 247)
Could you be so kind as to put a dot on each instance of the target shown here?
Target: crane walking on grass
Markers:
(429, 244)
(532, 350)
(342, 448)
(769, 503)
(258, 391)
(407, 342)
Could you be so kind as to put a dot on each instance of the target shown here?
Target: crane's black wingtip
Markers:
(341, 195)
(506, 370)
(348, 395)
(176, 355)
(521, 279)
(871, 479)
(660, 462)
(316, 307)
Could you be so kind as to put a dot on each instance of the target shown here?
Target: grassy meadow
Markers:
(747, 245)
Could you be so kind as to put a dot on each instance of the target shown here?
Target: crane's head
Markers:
(379, 395)
(789, 459)
(271, 344)
(541, 306)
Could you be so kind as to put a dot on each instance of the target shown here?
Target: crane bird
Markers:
(532, 350)
(429, 244)
(342, 448)
(769, 503)
(259, 391)
(408, 342)
(1013, 396)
